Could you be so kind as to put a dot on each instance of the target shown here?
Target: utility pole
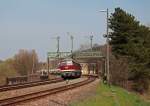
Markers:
(107, 46)
(108, 71)
(58, 38)
(32, 62)
(72, 38)
(48, 64)
(91, 39)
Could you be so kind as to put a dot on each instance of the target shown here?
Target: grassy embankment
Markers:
(113, 96)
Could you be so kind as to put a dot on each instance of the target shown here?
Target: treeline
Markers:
(23, 63)
(130, 42)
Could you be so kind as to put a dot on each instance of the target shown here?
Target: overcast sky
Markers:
(31, 24)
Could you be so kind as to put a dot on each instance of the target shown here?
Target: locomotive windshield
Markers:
(66, 63)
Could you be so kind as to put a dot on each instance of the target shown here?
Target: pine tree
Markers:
(131, 40)
(124, 26)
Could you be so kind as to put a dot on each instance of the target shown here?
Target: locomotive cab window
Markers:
(69, 62)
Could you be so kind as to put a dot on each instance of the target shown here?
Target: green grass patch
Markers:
(112, 96)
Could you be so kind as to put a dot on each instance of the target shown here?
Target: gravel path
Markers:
(66, 97)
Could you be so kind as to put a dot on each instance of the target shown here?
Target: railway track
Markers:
(39, 94)
(29, 84)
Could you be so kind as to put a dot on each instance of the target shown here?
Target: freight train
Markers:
(68, 68)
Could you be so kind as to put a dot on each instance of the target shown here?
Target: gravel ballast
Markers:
(66, 97)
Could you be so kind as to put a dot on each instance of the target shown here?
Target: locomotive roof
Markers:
(69, 59)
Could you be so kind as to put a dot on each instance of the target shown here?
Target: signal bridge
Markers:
(91, 61)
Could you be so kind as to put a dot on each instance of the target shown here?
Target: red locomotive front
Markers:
(69, 68)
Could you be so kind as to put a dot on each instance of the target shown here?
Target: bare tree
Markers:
(26, 62)
(84, 47)
(119, 71)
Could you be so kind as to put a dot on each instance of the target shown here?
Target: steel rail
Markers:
(39, 94)
(29, 84)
